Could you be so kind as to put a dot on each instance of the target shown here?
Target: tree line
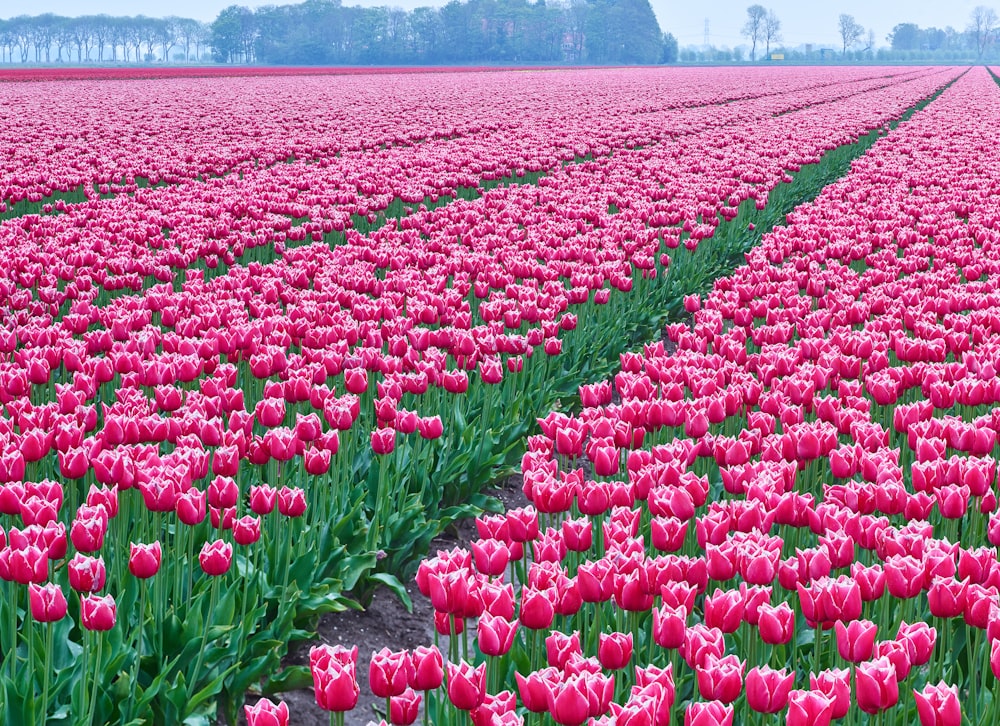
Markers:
(908, 41)
(53, 38)
(461, 32)
(326, 32)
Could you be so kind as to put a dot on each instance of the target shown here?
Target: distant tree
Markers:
(151, 32)
(44, 29)
(63, 39)
(850, 31)
(186, 30)
(427, 30)
(772, 31)
(81, 36)
(170, 30)
(234, 33)
(905, 36)
(21, 34)
(101, 30)
(754, 28)
(669, 54)
(934, 39)
(983, 28)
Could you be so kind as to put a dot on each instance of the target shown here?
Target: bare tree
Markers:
(851, 31)
(20, 34)
(754, 27)
(170, 30)
(81, 36)
(63, 39)
(983, 27)
(772, 31)
(102, 32)
(186, 30)
(151, 31)
(202, 37)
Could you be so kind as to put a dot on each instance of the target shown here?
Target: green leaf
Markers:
(397, 588)
(354, 567)
(214, 686)
(292, 678)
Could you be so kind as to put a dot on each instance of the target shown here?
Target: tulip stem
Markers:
(973, 652)
(97, 679)
(204, 635)
(816, 642)
(45, 676)
(10, 657)
(137, 636)
(29, 639)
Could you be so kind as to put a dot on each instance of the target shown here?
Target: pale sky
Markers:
(802, 22)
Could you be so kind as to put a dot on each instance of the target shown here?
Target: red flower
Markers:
(835, 683)
(876, 686)
(47, 601)
(768, 689)
(569, 701)
(809, 708)
(856, 641)
(263, 498)
(708, 713)
(266, 713)
(144, 559)
(246, 530)
(404, 708)
(216, 557)
(721, 679)
(98, 613)
(86, 574)
(291, 501)
(776, 623)
(428, 669)
(335, 682)
(466, 685)
(938, 705)
(389, 672)
(614, 650)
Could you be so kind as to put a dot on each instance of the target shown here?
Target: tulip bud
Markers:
(767, 689)
(48, 603)
(216, 557)
(86, 574)
(389, 672)
(144, 559)
(428, 669)
(335, 680)
(266, 713)
(614, 650)
(938, 705)
(466, 685)
(404, 708)
(809, 708)
(98, 613)
(876, 686)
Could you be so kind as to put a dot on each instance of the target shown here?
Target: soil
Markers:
(386, 623)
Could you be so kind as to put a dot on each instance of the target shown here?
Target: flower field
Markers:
(263, 338)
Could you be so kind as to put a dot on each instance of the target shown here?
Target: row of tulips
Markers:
(97, 250)
(787, 507)
(220, 448)
(106, 140)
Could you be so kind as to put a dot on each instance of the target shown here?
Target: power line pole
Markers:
(707, 43)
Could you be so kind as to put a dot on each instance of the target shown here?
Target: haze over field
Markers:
(801, 22)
